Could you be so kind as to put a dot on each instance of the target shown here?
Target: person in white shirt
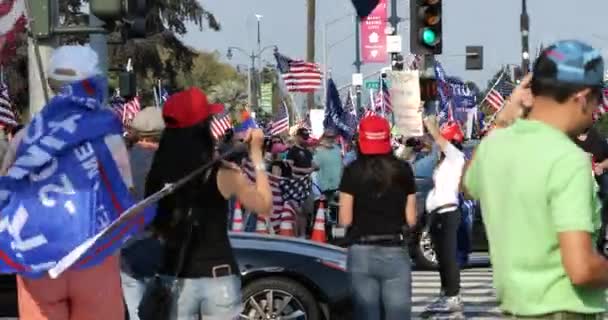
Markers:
(443, 209)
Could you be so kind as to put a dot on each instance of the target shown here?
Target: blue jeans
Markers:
(133, 290)
(207, 298)
(381, 282)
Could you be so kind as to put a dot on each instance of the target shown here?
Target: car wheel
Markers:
(424, 253)
(278, 298)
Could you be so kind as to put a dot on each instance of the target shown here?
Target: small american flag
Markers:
(603, 107)
(298, 75)
(305, 122)
(220, 124)
(7, 116)
(498, 94)
(368, 113)
(280, 122)
(125, 110)
(295, 188)
(383, 99)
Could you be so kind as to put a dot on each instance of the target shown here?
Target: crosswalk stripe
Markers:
(477, 293)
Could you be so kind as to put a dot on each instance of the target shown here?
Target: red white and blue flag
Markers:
(280, 122)
(298, 75)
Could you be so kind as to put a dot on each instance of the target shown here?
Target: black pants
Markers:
(444, 233)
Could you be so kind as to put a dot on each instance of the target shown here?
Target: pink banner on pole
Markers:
(373, 35)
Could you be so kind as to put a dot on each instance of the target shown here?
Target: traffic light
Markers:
(108, 10)
(41, 22)
(131, 13)
(426, 27)
(428, 89)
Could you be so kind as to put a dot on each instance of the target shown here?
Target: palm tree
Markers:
(232, 93)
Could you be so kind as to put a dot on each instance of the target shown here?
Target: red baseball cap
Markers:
(188, 108)
(451, 131)
(374, 135)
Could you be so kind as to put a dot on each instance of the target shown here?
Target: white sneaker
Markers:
(446, 305)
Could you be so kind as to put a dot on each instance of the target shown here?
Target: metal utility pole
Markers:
(357, 62)
(40, 47)
(525, 32)
(99, 43)
(310, 44)
(394, 21)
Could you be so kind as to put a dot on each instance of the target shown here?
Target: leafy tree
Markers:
(161, 55)
(230, 92)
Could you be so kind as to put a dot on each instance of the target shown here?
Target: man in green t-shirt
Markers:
(537, 191)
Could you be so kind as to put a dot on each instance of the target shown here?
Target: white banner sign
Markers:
(406, 102)
(316, 122)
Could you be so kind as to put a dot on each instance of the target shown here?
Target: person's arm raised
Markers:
(520, 98)
(256, 197)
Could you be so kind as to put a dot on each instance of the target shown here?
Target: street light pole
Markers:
(326, 47)
(525, 32)
(358, 61)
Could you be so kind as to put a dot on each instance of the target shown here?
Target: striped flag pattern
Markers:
(125, 110)
(7, 116)
(603, 107)
(295, 189)
(280, 122)
(498, 94)
(298, 75)
(383, 99)
(220, 124)
(14, 21)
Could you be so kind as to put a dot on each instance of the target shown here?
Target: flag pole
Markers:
(494, 86)
(371, 99)
(156, 97)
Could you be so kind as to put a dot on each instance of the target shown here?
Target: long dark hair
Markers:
(380, 172)
(180, 151)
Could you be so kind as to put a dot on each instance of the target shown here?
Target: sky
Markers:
(494, 24)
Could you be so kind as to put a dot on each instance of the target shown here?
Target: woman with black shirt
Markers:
(378, 202)
(209, 285)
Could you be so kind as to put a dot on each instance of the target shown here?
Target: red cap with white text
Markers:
(374, 135)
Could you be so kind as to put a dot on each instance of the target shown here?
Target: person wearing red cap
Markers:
(378, 205)
(209, 280)
(443, 209)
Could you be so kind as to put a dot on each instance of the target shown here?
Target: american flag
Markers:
(298, 75)
(164, 95)
(295, 188)
(280, 122)
(220, 124)
(125, 110)
(603, 107)
(14, 21)
(383, 99)
(498, 94)
(369, 112)
(305, 122)
(7, 116)
(349, 105)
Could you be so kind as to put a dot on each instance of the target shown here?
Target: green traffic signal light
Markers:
(429, 37)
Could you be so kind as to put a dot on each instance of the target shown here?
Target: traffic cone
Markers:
(261, 226)
(318, 230)
(237, 219)
(287, 221)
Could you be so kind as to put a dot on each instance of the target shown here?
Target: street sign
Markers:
(393, 44)
(357, 79)
(372, 84)
(375, 84)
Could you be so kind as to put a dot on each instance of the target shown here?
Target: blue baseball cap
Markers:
(571, 58)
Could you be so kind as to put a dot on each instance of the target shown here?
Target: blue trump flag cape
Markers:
(64, 187)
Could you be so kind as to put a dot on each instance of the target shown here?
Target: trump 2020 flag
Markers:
(64, 188)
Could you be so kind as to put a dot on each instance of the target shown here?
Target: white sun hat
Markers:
(73, 63)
